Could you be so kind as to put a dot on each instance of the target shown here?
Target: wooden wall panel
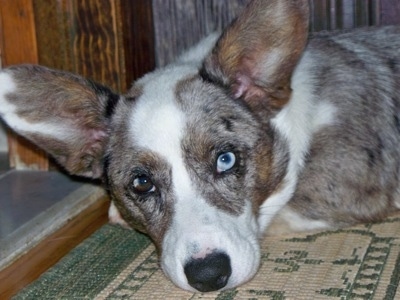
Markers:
(343, 14)
(109, 41)
(18, 45)
(347, 14)
(138, 38)
(114, 41)
(390, 12)
(179, 24)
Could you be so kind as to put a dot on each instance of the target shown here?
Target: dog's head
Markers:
(188, 154)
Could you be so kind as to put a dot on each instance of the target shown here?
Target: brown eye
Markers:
(142, 184)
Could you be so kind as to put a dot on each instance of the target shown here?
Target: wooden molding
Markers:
(18, 45)
(109, 41)
(49, 251)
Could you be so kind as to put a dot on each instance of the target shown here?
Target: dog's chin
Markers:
(242, 272)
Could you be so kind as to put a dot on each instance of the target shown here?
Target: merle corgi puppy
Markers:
(262, 121)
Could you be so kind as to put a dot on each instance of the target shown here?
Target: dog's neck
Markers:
(296, 124)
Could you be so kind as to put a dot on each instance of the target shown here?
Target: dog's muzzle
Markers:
(209, 250)
(210, 273)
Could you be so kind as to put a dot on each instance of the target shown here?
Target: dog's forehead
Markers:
(157, 120)
(177, 106)
(172, 99)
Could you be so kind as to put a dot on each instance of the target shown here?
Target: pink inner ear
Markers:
(97, 134)
(246, 89)
(241, 86)
(246, 74)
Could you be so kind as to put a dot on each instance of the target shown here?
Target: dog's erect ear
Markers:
(62, 113)
(256, 55)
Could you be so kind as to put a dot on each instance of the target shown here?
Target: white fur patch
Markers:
(114, 216)
(7, 85)
(197, 54)
(297, 222)
(272, 60)
(9, 113)
(297, 122)
(197, 228)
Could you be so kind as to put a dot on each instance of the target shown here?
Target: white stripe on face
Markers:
(197, 228)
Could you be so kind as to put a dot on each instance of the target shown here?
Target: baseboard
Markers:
(90, 204)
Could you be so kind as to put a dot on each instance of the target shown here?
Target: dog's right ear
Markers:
(257, 54)
(64, 114)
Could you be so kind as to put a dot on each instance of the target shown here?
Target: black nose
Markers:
(210, 273)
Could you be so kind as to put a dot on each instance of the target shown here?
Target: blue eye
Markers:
(225, 162)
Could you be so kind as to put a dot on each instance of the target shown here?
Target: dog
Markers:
(258, 125)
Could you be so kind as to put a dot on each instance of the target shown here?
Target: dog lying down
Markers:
(259, 122)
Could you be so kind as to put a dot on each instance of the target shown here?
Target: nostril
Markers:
(210, 273)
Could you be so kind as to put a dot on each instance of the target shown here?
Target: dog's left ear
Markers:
(257, 54)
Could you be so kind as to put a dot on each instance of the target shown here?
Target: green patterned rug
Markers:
(361, 262)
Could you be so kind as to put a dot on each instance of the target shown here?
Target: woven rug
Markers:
(361, 262)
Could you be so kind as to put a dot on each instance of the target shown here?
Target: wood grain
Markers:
(138, 38)
(81, 36)
(390, 12)
(30, 266)
(18, 45)
(180, 24)
(109, 41)
(18, 32)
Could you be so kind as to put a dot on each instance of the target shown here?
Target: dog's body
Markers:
(202, 154)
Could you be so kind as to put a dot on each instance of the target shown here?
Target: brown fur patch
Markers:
(150, 213)
(257, 54)
(135, 91)
(217, 124)
(51, 97)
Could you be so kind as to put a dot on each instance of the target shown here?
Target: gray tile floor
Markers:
(26, 194)
(32, 205)
(3, 162)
